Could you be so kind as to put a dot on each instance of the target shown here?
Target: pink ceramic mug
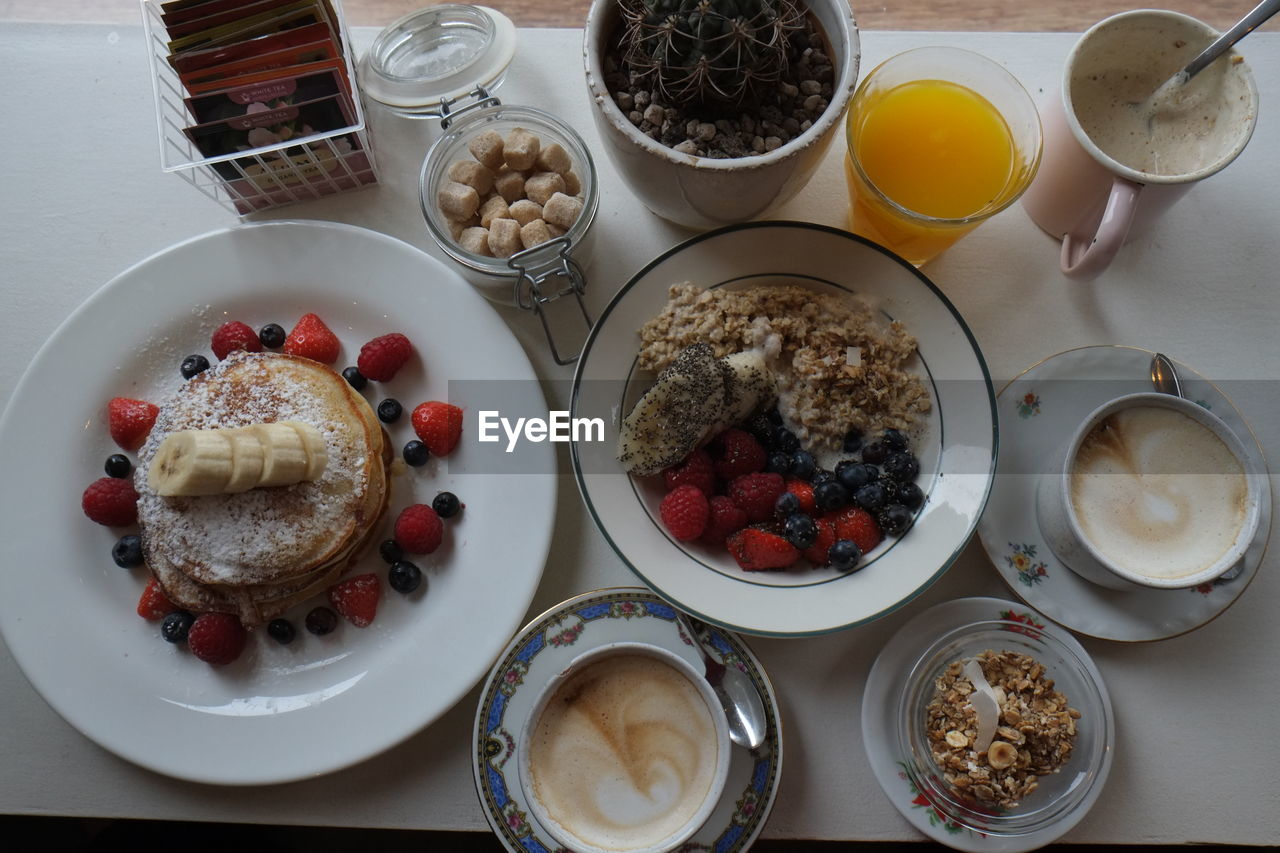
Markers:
(1097, 180)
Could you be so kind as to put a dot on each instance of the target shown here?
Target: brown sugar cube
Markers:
(556, 230)
(562, 210)
(458, 201)
(520, 149)
(504, 238)
(572, 183)
(553, 158)
(534, 233)
(487, 148)
(510, 185)
(525, 211)
(541, 186)
(472, 174)
(475, 240)
(494, 207)
(457, 226)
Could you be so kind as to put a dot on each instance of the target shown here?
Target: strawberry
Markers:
(755, 494)
(154, 604)
(684, 512)
(129, 421)
(439, 425)
(817, 552)
(110, 501)
(357, 598)
(858, 525)
(216, 638)
(738, 453)
(232, 336)
(756, 550)
(725, 518)
(312, 339)
(696, 470)
(804, 491)
(383, 356)
(419, 529)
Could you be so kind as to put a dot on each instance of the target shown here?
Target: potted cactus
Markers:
(716, 110)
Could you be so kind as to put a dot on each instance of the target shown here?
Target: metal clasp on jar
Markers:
(482, 99)
(545, 273)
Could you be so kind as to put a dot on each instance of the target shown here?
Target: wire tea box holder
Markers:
(258, 178)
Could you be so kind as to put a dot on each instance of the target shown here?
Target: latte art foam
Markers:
(624, 753)
(1158, 493)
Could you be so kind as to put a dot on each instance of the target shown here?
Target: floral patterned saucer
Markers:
(1038, 410)
(542, 649)
(885, 683)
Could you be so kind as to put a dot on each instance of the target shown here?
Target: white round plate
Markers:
(1038, 411)
(544, 647)
(957, 453)
(885, 683)
(278, 713)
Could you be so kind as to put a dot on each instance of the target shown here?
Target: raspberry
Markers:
(755, 494)
(129, 421)
(684, 512)
(804, 492)
(757, 550)
(419, 529)
(154, 604)
(856, 524)
(739, 453)
(357, 598)
(725, 519)
(216, 638)
(439, 425)
(312, 339)
(111, 502)
(817, 552)
(695, 470)
(232, 336)
(382, 357)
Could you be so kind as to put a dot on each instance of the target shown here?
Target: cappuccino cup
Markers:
(626, 751)
(1116, 159)
(1152, 491)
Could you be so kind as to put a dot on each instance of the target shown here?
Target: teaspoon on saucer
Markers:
(738, 696)
(1164, 376)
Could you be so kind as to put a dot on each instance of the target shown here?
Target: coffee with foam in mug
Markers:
(1157, 492)
(625, 752)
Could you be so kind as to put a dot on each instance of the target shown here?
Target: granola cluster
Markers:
(1035, 734)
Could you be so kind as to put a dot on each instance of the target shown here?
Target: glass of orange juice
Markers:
(940, 139)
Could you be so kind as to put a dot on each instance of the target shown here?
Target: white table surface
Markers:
(82, 197)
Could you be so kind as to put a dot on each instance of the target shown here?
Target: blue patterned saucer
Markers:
(542, 649)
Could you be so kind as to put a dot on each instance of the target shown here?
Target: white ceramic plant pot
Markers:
(699, 192)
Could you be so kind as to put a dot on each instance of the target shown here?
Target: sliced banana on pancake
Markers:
(284, 454)
(192, 462)
(226, 461)
(248, 457)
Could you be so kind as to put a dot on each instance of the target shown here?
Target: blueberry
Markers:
(870, 497)
(281, 630)
(321, 621)
(390, 551)
(803, 465)
(854, 475)
(774, 416)
(901, 466)
(890, 487)
(175, 626)
(272, 335)
(844, 555)
(800, 530)
(910, 495)
(389, 411)
(894, 439)
(193, 364)
(446, 504)
(875, 452)
(763, 429)
(779, 463)
(894, 519)
(787, 505)
(404, 577)
(118, 466)
(852, 441)
(354, 378)
(821, 476)
(416, 453)
(787, 441)
(127, 552)
(830, 495)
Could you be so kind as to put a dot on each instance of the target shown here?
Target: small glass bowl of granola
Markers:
(1006, 727)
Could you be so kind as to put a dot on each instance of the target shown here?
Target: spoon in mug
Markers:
(1164, 376)
(738, 696)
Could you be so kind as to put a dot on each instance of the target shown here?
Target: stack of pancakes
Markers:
(257, 553)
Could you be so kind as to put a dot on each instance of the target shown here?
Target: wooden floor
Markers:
(977, 15)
